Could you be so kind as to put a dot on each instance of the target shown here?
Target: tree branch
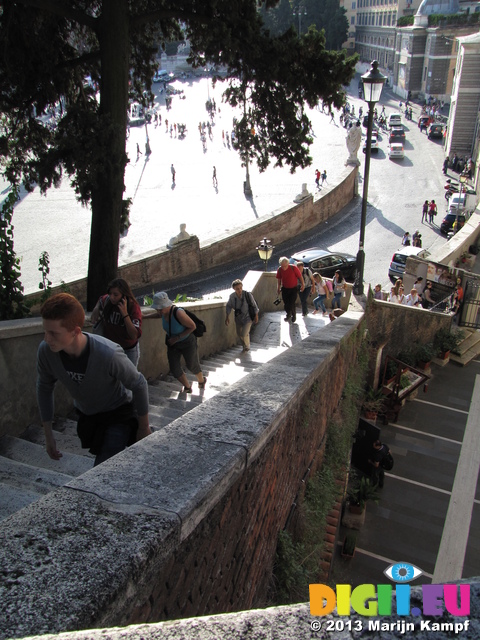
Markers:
(62, 9)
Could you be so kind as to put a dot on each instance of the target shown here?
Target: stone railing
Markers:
(185, 522)
(19, 340)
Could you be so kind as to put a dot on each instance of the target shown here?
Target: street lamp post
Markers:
(265, 250)
(373, 82)
(298, 12)
(463, 180)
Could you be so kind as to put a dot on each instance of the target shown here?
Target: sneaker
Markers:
(294, 319)
(286, 319)
(316, 311)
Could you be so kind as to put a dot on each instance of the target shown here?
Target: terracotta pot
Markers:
(370, 415)
(444, 355)
(424, 365)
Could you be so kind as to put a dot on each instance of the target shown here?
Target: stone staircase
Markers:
(26, 471)
(467, 350)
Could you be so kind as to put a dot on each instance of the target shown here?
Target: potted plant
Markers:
(424, 354)
(391, 369)
(360, 493)
(444, 341)
(372, 403)
(349, 545)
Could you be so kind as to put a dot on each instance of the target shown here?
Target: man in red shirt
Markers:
(288, 276)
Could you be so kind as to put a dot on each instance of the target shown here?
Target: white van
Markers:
(394, 119)
(467, 201)
(399, 262)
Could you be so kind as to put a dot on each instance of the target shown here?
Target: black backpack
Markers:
(201, 327)
(387, 462)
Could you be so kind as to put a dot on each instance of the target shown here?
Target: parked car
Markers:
(435, 131)
(374, 148)
(327, 262)
(447, 223)
(396, 151)
(399, 261)
(397, 134)
(424, 121)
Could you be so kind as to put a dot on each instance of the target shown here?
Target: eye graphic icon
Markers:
(402, 572)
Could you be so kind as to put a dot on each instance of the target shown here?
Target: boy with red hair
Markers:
(109, 393)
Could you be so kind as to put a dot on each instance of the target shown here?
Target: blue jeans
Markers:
(336, 300)
(318, 302)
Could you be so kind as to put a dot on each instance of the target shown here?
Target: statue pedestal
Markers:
(352, 161)
(305, 194)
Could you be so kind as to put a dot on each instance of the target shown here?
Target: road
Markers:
(58, 224)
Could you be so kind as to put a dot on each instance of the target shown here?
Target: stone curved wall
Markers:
(194, 256)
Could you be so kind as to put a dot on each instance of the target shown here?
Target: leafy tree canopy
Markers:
(327, 15)
(49, 48)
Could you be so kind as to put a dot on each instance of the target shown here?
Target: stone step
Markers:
(35, 455)
(472, 338)
(28, 472)
(467, 356)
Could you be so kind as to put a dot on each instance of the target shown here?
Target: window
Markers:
(354, 6)
(352, 20)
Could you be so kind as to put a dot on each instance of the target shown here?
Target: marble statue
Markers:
(183, 235)
(354, 140)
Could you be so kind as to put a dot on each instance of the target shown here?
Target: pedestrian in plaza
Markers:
(245, 311)
(418, 241)
(432, 211)
(118, 317)
(166, 125)
(324, 176)
(419, 285)
(425, 211)
(317, 178)
(339, 288)
(180, 341)
(415, 235)
(214, 177)
(172, 169)
(445, 166)
(307, 282)
(457, 300)
(287, 279)
(320, 288)
(406, 239)
(377, 460)
(139, 153)
(109, 394)
(377, 292)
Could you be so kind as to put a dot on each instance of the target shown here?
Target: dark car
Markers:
(435, 131)
(327, 262)
(449, 219)
(397, 134)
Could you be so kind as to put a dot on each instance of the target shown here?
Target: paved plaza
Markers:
(56, 223)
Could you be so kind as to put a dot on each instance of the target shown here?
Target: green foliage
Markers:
(438, 19)
(362, 491)
(405, 21)
(350, 543)
(12, 304)
(373, 400)
(46, 284)
(424, 352)
(405, 381)
(445, 340)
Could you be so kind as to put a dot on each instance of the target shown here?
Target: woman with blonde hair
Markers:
(322, 290)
